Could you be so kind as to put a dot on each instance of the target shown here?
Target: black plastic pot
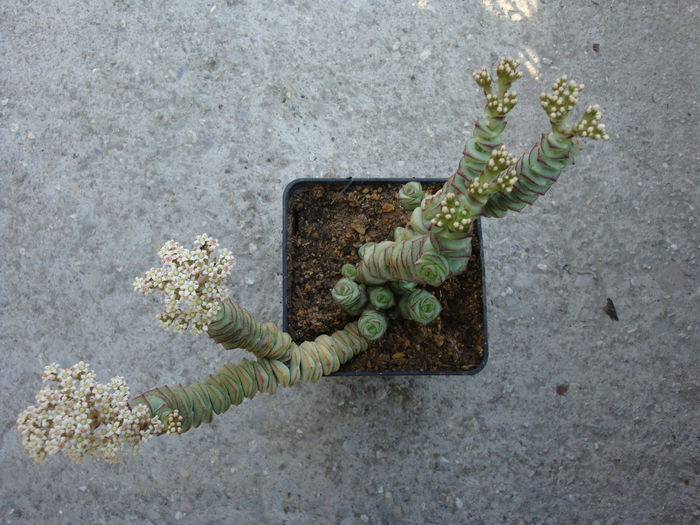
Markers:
(343, 185)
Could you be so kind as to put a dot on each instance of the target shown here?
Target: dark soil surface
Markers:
(325, 229)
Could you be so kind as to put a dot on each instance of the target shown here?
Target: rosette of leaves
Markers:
(381, 297)
(350, 295)
(372, 324)
(433, 268)
(420, 306)
(349, 271)
(411, 195)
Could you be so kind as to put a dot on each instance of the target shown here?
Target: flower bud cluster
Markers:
(562, 100)
(589, 126)
(506, 181)
(173, 425)
(499, 161)
(483, 79)
(83, 417)
(452, 215)
(507, 72)
(498, 174)
(501, 104)
(192, 282)
(478, 187)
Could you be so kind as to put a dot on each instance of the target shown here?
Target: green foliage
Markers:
(266, 340)
(232, 383)
(420, 306)
(350, 295)
(372, 324)
(349, 271)
(381, 297)
(411, 195)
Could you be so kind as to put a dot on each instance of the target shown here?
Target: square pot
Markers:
(309, 203)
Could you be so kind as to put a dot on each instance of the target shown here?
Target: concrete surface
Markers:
(126, 123)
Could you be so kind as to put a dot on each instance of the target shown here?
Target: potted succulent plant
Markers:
(76, 414)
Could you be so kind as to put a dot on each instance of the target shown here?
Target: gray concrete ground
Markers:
(124, 124)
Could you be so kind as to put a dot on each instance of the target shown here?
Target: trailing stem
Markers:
(280, 362)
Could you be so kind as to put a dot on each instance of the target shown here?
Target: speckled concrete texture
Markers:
(126, 123)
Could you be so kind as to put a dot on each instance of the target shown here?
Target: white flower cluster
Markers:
(499, 161)
(504, 100)
(501, 164)
(192, 281)
(563, 99)
(173, 423)
(590, 126)
(506, 181)
(506, 71)
(498, 174)
(82, 417)
(482, 79)
(501, 104)
(452, 215)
